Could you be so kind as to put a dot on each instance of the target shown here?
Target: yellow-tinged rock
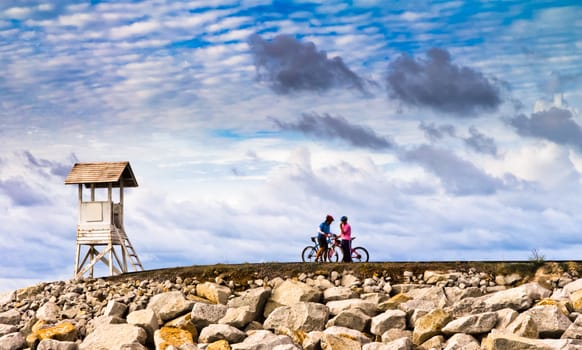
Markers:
(219, 345)
(429, 325)
(393, 302)
(563, 307)
(176, 337)
(576, 299)
(64, 331)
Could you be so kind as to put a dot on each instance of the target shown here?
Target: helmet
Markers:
(344, 218)
(329, 218)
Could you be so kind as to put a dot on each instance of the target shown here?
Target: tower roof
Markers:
(102, 174)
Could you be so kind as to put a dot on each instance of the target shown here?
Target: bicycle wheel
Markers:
(360, 254)
(308, 254)
(333, 254)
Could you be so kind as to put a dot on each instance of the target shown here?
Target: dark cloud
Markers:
(458, 176)
(54, 168)
(289, 65)
(435, 82)
(480, 142)
(325, 127)
(21, 194)
(556, 125)
(437, 132)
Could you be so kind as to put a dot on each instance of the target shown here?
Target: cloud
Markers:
(458, 176)
(480, 142)
(328, 127)
(435, 82)
(437, 132)
(21, 194)
(55, 168)
(289, 65)
(556, 125)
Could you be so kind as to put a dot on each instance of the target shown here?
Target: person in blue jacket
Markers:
(323, 233)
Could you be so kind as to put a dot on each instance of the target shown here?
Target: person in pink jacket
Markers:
(346, 236)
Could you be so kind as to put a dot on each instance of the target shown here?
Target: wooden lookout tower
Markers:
(100, 232)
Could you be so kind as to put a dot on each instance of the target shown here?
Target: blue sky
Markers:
(443, 130)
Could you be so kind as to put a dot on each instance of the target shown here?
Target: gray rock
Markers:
(574, 331)
(351, 318)
(305, 316)
(263, 340)
(115, 308)
(203, 314)
(145, 319)
(11, 317)
(367, 307)
(397, 344)
(51, 344)
(461, 341)
(113, 337)
(7, 328)
(214, 292)
(550, 321)
(12, 341)
(291, 292)
(254, 298)
(170, 305)
(49, 312)
(390, 319)
(472, 324)
(338, 293)
(523, 326)
(215, 332)
(237, 317)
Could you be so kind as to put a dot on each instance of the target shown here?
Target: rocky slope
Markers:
(459, 305)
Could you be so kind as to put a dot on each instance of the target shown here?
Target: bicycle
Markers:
(310, 252)
(359, 254)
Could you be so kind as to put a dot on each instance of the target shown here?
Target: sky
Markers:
(444, 130)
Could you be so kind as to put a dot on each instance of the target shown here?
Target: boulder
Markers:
(12, 341)
(254, 298)
(172, 336)
(113, 337)
(390, 319)
(461, 341)
(215, 332)
(184, 322)
(504, 341)
(347, 333)
(259, 340)
(574, 331)
(49, 312)
(367, 307)
(204, 314)
(472, 324)
(145, 319)
(7, 328)
(115, 308)
(169, 305)
(238, 317)
(291, 292)
(354, 319)
(213, 292)
(396, 344)
(334, 342)
(338, 293)
(429, 325)
(304, 316)
(10, 317)
(51, 344)
(550, 321)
